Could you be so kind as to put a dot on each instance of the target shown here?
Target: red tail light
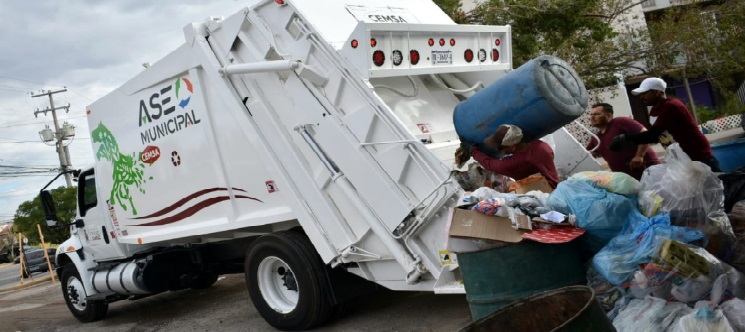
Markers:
(494, 55)
(468, 55)
(378, 58)
(280, 2)
(414, 56)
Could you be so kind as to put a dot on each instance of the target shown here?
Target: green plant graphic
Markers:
(128, 169)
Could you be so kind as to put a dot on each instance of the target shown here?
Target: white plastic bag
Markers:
(734, 310)
(707, 318)
(649, 314)
(693, 196)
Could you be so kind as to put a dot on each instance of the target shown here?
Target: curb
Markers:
(27, 284)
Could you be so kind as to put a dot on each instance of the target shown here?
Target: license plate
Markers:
(442, 57)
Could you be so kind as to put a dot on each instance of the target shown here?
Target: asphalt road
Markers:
(10, 275)
(226, 307)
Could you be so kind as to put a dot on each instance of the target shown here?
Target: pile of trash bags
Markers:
(666, 256)
(667, 252)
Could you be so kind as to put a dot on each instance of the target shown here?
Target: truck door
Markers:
(97, 235)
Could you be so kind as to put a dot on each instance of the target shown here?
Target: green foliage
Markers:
(700, 41)
(731, 106)
(580, 32)
(29, 214)
(452, 8)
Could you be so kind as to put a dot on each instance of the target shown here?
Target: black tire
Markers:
(204, 280)
(72, 290)
(305, 272)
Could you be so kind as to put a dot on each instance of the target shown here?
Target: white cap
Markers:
(652, 83)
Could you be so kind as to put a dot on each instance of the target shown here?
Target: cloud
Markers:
(89, 47)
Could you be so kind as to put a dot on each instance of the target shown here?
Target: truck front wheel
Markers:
(74, 293)
(287, 281)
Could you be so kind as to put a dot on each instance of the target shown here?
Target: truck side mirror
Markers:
(50, 210)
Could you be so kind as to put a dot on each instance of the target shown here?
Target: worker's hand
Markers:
(467, 146)
(619, 143)
(636, 162)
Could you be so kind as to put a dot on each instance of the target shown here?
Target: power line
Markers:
(39, 123)
(22, 80)
(44, 85)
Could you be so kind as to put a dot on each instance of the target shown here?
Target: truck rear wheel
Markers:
(74, 293)
(287, 281)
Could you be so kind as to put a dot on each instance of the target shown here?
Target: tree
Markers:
(702, 40)
(30, 213)
(605, 40)
(452, 8)
(598, 38)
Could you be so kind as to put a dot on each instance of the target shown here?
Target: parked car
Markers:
(37, 262)
(25, 250)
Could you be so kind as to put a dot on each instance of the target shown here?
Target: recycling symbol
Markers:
(175, 158)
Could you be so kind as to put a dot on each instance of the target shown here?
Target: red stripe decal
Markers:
(183, 201)
(192, 210)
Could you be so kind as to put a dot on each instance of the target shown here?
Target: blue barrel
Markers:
(540, 97)
(730, 154)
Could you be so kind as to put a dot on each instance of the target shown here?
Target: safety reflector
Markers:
(468, 55)
(452, 42)
(280, 2)
(373, 42)
(431, 42)
(355, 43)
(414, 56)
(497, 42)
(442, 42)
(378, 58)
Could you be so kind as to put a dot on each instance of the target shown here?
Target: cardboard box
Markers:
(474, 225)
(533, 182)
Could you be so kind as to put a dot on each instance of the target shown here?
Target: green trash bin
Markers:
(572, 308)
(496, 277)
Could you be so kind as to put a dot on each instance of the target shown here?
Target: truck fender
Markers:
(71, 252)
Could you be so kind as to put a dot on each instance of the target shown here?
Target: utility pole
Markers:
(64, 159)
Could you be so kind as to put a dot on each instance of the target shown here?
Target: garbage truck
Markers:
(305, 144)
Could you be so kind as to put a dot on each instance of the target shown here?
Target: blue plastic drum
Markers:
(540, 97)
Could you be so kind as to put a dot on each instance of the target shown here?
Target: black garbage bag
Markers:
(734, 188)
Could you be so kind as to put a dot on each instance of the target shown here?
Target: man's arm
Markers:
(501, 166)
(647, 136)
(638, 160)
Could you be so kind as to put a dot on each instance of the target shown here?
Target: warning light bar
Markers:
(398, 49)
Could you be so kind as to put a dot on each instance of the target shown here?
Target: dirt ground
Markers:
(226, 307)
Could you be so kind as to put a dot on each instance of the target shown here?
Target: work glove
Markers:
(619, 143)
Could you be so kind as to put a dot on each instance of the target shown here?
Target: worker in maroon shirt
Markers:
(671, 122)
(632, 161)
(525, 159)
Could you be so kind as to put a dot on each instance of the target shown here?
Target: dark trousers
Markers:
(713, 162)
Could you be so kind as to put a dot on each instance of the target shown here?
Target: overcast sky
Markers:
(89, 47)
